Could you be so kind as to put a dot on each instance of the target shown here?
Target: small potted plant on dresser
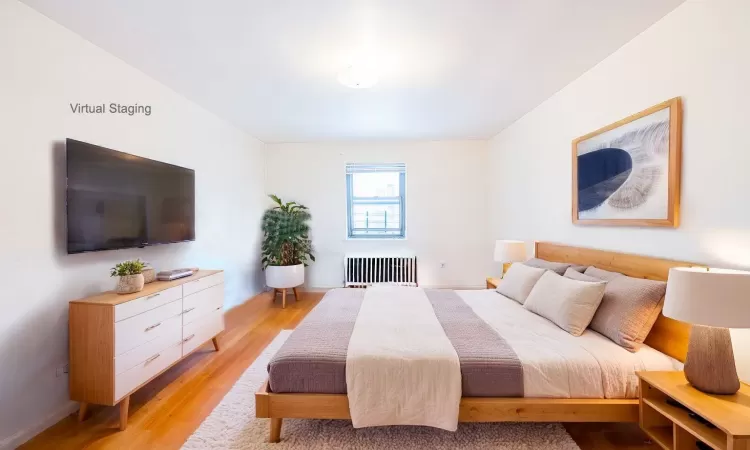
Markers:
(129, 276)
(286, 246)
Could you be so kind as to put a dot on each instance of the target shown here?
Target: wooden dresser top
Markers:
(112, 298)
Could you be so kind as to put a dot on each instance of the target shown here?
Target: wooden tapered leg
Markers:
(283, 298)
(82, 410)
(216, 343)
(124, 405)
(296, 294)
(275, 431)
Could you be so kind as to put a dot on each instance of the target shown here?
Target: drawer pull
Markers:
(188, 338)
(152, 296)
(188, 310)
(152, 327)
(152, 358)
(217, 308)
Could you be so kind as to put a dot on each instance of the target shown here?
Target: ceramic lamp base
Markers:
(710, 366)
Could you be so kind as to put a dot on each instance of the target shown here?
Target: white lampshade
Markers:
(510, 251)
(710, 297)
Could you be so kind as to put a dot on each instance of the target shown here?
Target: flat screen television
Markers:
(116, 200)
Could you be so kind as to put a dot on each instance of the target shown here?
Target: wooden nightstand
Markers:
(727, 417)
(492, 282)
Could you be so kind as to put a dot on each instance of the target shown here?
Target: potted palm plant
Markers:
(286, 246)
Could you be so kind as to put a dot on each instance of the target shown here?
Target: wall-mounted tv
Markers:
(116, 200)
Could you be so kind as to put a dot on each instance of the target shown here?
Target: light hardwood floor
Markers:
(165, 413)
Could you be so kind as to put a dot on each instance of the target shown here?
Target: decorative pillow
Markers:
(558, 268)
(569, 304)
(576, 275)
(605, 275)
(629, 308)
(578, 268)
(518, 281)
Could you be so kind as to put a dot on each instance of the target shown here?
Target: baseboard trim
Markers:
(25, 435)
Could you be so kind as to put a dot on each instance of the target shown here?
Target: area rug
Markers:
(232, 425)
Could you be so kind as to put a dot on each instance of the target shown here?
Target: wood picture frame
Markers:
(612, 198)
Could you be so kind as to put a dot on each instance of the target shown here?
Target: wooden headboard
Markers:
(669, 336)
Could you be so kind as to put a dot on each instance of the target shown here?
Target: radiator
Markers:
(363, 271)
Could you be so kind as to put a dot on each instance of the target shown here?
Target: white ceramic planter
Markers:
(129, 284)
(282, 277)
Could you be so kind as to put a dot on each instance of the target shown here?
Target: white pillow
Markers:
(569, 304)
(518, 281)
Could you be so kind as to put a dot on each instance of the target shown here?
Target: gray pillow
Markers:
(518, 281)
(576, 275)
(605, 275)
(629, 308)
(578, 268)
(558, 268)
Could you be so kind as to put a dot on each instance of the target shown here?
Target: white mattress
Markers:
(559, 365)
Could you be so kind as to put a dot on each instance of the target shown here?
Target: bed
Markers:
(548, 376)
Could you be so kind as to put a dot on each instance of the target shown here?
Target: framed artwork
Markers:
(628, 173)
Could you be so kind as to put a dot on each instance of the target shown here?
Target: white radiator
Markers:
(362, 271)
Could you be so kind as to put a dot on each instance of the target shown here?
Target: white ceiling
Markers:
(449, 69)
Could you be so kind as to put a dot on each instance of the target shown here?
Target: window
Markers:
(375, 195)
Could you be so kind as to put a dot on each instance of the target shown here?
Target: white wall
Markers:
(445, 200)
(44, 68)
(700, 52)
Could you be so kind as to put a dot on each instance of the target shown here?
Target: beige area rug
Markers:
(232, 425)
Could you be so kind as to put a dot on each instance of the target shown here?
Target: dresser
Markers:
(118, 343)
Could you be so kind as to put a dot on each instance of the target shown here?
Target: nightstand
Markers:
(668, 410)
(492, 282)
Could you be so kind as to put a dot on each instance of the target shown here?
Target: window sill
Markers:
(375, 238)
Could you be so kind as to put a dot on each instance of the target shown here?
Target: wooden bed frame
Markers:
(668, 336)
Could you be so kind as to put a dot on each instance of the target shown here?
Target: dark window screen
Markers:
(117, 200)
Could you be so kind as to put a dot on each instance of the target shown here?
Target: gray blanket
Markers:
(313, 359)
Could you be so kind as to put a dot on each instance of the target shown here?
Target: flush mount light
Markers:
(358, 77)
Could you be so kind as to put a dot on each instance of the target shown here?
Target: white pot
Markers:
(282, 277)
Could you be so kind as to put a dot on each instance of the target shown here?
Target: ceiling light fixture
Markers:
(358, 77)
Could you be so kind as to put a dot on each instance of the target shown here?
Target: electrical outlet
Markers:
(62, 370)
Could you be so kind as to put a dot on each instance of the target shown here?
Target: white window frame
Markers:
(353, 168)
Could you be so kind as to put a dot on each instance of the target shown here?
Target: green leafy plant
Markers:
(125, 268)
(286, 235)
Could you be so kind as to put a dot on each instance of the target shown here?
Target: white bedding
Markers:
(401, 368)
(557, 364)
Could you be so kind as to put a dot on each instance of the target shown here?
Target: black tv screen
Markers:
(116, 200)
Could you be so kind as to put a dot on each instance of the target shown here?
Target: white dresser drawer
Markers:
(202, 303)
(191, 287)
(149, 302)
(137, 330)
(131, 379)
(197, 333)
(171, 335)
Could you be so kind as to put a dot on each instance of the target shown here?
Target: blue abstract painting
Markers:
(622, 173)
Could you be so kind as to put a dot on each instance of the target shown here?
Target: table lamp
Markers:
(508, 252)
(713, 300)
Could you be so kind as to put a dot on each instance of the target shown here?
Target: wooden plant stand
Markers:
(283, 295)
